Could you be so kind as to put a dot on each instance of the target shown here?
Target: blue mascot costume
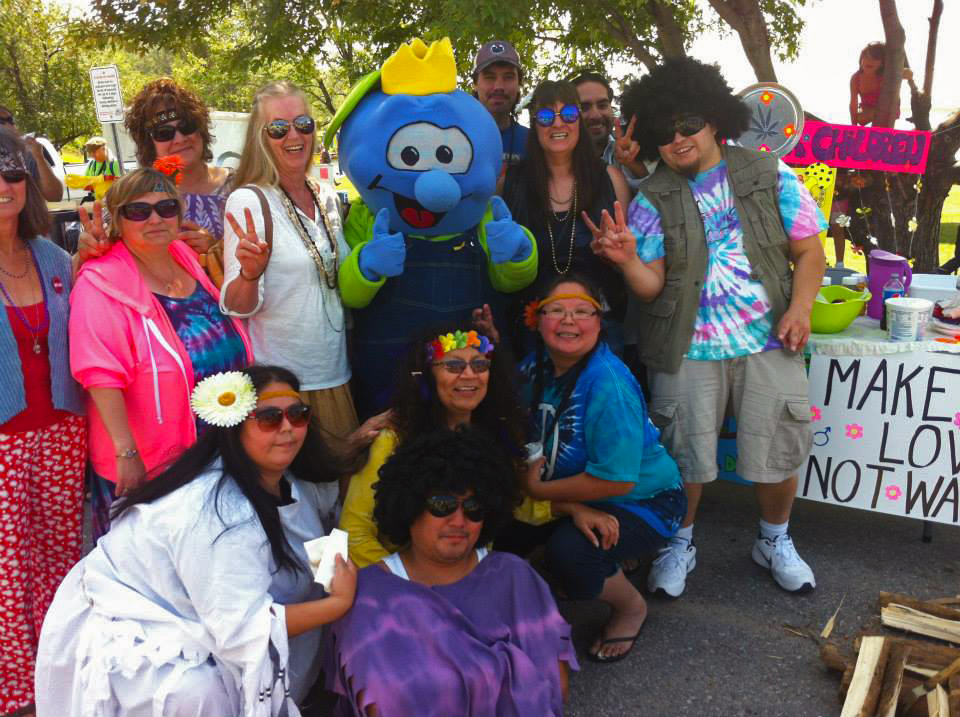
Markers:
(429, 242)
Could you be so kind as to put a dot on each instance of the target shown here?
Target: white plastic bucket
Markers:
(906, 317)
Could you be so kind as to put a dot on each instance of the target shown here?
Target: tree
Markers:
(45, 73)
(904, 218)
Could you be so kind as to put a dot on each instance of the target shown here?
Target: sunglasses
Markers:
(166, 132)
(141, 211)
(458, 366)
(7, 120)
(278, 128)
(270, 418)
(546, 115)
(440, 506)
(685, 126)
(13, 176)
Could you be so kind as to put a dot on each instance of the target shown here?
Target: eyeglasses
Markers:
(13, 176)
(141, 211)
(440, 506)
(686, 126)
(166, 132)
(278, 128)
(546, 115)
(270, 418)
(8, 119)
(458, 366)
(558, 313)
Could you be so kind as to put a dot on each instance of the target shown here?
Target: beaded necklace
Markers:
(328, 273)
(572, 215)
(42, 325)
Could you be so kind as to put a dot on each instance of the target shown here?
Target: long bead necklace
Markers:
(572, 215)
(42, 324)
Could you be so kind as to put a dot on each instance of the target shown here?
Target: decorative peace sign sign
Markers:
(613, 239)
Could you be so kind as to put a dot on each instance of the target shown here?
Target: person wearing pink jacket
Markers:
(145, 327)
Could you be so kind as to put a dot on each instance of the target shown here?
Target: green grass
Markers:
(948, 234)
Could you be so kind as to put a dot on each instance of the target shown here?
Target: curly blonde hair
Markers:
(156, 96)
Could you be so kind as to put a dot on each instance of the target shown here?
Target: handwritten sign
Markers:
(819, 180)
(886, 434)
(836, 145)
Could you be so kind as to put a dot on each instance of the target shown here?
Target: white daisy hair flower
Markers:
(224, 399)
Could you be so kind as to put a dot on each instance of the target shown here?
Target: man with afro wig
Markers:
(726, 266)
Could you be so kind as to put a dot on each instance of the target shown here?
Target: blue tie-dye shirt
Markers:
(734, 315)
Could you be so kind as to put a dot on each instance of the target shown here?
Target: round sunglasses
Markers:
(13, 176)
(458, 366)
(141, 211)
(440, 506)
(166, 132)
(278, 128)
(546, 115)
(685, 126)
(270, 418)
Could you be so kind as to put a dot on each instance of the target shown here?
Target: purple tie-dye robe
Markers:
(486, 646)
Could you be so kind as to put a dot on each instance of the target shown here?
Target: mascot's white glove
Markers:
(506, 239)
(384, 254)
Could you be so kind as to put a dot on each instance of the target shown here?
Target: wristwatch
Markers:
(129, 453)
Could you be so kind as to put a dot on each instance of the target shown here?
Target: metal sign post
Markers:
(108, 100)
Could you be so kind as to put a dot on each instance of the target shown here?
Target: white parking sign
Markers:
(106, 93)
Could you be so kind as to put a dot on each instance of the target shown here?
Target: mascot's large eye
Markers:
(422, 146)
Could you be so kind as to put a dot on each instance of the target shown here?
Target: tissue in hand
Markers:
(322, 553)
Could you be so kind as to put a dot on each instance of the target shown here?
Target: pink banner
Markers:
(854, 147)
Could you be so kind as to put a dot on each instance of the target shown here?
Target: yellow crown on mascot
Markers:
(416, 69)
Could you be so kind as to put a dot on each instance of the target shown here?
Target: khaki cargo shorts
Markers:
(766, 392)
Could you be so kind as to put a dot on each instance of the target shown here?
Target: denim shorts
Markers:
(767, 394)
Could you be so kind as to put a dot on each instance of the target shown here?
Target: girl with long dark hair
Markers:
(201, 599)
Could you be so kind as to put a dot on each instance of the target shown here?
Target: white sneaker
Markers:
(780, 557)
(669, 571)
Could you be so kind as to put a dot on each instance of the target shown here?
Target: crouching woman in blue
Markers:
(601, 449)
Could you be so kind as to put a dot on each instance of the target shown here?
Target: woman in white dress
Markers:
(200, 600)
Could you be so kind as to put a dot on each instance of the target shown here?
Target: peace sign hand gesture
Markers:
(252, 252)
(625, 149)
(92, 241)
(613, 240)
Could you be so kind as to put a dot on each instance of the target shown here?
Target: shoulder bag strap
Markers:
(267, 215)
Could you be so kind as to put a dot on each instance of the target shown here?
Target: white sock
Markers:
(683, 537)
(771, 531)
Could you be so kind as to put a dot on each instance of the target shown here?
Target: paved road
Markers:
(721, 650)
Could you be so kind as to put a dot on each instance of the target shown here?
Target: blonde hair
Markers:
(256, 162)
(133, 185)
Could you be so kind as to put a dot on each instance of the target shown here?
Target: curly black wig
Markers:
(445, 461)
(678, 87)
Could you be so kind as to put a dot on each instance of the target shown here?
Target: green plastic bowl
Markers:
(830, 318)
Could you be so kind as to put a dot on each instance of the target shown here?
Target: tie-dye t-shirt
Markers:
(211, 341)
(734, 315)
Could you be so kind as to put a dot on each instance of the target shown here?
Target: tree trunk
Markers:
(886, 111)
(669, 32)
(746, 17)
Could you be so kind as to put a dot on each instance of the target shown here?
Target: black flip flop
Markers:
(595, 657)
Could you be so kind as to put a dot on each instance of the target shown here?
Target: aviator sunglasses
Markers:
(440, 506)
(685, 126)
(458, 366)
(140, 211)
(278, 128)
(546, 115)
(166, 132)
(270, 418)
(13, 176)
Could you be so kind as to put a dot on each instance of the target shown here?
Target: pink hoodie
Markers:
(120, 337)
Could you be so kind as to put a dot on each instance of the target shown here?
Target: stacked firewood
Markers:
(902, 677)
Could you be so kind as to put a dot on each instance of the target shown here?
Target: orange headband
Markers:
(555, 297)
(277, 394)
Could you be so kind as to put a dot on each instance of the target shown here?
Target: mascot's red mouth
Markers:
(415, 214)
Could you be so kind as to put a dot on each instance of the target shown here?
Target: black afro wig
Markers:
(679, 87)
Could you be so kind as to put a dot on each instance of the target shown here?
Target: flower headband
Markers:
(224, 399)
(172, 166)
(444, 343)
(531, 310)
